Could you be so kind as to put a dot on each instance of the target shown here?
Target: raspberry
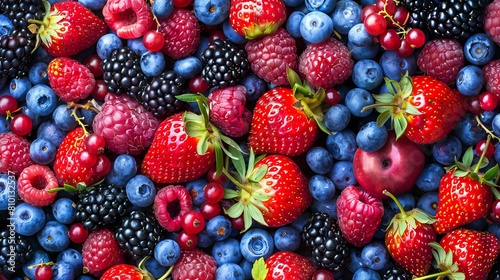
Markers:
(491, 72)
(326, 64)
(182, 33)
(491, 23)
(128, 18)
(14, 153)
(170, 205)
(34, 183)
(194, 264)
(228, 111)
(101, 251)
(125, 124)
(270, 56)
(70, 80)
(442, 59)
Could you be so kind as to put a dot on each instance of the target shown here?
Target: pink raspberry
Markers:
(128, 18)
(194, 264)
(170, 204)
(34, 183)
(492, 21)
(14, 153)
(125, 124)
(228, 111)
(101, 251)
(182, 33)
(491, 72)
(442, 59)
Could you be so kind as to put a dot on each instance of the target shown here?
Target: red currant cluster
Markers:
(94, 152)
(20, 123)
(386, 21)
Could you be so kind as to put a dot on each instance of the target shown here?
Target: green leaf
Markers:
(261, 196)
(474, 176)
(202, 146)
(251, 162)
(258, 174)
(293, 77)
(256, 214)
(230, 194)
(190, 97)
(238, 161)
(235, 210)
(468, 157)
(70, 188)
(54, 190)
(219, 159)
(259, 269)
(491, 173)
(412, 110)
(406, 86)
(400, 124)
(393, 86)
(383, 118)
(495, 192)
(247, 218)
(384, 97)
(460, 173)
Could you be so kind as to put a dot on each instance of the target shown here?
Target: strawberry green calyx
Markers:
(51, 26)
(147, 275)
(261, 30)
(259, 269)
(401, 220)
(444, 262)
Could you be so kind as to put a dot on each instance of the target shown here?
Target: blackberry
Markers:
(16, 246)
(101, 206)
(419, 12)
(457, 19)
(137, 234)
(396, 273)
(159, 95)
(330, 249)
(16, 53)
(223, 63)
(122, 73)
(20, 11)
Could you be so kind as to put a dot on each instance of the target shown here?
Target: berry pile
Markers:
(245, 139)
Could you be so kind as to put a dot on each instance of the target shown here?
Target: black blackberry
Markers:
(16, 53)
(137, 234)
(223, 63)
(330, 249)
(457, 19)
(397, 273)
(101, 206)
(15, 246)
(419, 12)
(159, 95)
(20, 11)
(122, 73)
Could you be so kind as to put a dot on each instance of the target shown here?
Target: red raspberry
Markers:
(442, 59)
(182, 33)
(326, 64)
(270, 56)
(491, 22)
(228, 111)
(359, 215)
(101, 251)
(130, 19)
(70, 80)
(170, 204)
(125, 124)
(491, 72)
(194, 264)
(14, 153)
(34, 183)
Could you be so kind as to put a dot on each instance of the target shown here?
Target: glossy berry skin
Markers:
(43, 272)
(77, 233)
(316, 27)
(288, 265)
(192, 222)
(153, 40)
(374, 256)
(167, 252)
(8, 103)
(130, 272)
(21, 124)
(479, 49)
(256, 243)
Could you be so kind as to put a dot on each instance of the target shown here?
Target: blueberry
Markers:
(428, 202)
(19, 88)
(141, 191)
(286, 238)
(325, 6)
(393, 65)
(64, 210)
(39, 256)
(231, 34)
(430, 177)
(153, 63)
(256, 243)
(42, 151)
(470, 80)
(342, 174)
(8, 191)
(319, 160)
(469, 132)
(155, 268)
(486, 117)
(219, 228)
(4, 125)
(137, 46)
(337, 117)
(41, 55)
(202, 45)
(478, 224)
(188, 67)
(167, 252)
(299, 223)
(41, 99)
(38, 73)
(367, 74)
(365, 273)
(357, 99)
(328, 206)
(195, 188)
(204, 240)
(355, 264)
(107, 44)
(53, 237)
(446, 150)
(407, 201)
(479, 49)
(382, 227)
(162, 8)
(342, 145)
(35, 118)
(64, 119)
(371, 137)
(63, 271)
(125, 165)
(87, 116)
(48, 130)
(6, 25)
(375, 256)
(293, 3)
(292, 24)
(226, 251)
(29, 219)
(347, 13)
(363, 52)
(494, 228)
(254, 85)
(229, 271)
(211, 12)
(74, 258)
(247, 268)
(316, 27)
(358, 36)
(93, 4)
(321, 188)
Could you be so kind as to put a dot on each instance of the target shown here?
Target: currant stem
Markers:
(480, 123)
(40, 264)
(435, 275)
(488, 140)
(169, 271)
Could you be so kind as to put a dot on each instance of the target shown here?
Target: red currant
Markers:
(480, 148)
(368, 10)
(181, 3)
(405, 49)
(488, 101)
(214, 192)
(401, 15)
(187, 241)
(494, 215)
(100, 90)
(102, 166)
(198, 85)
(416, 38)
(238, 223)
(211, 176)
(95, 143)
(216, 34)
(77, 233)
(474, 106)
(388, 6)
(87, 159)
(210, 210)
(8, 103)
(192, 222)
(332, 97)
(43, 272)
(375, 24)
(21, 124)
(153, 41)
(322, 274)
(389, 40)
(93, 63)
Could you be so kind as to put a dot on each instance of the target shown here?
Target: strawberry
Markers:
(70, 80)
(465, 195)
(283, 265)
(254, 19)
(286, 120)
(273, 191)
(129, 272)
(68, 28)
(421, 107)
(407, 239)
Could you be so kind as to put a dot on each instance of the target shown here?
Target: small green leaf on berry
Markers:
(259, 269)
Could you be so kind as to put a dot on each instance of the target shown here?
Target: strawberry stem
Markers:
(238, 184)
(488, 140)
(400, 207)
(433, 276)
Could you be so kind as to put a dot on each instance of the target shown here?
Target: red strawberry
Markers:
(421, 107)
(101, 251)
(130, 19)
(407, 239)
(282, 266)
(68, 166)
(14, 154)
(254, 19)
(194, 265)
(181, 31)
(272, 190)
(285, 120)
(359, 215)
(69, 28)
(464, 196)
(34, 184)
(70, 79)
(125, 271)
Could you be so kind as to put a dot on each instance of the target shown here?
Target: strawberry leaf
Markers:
(412, 110)
(238, 161)
(460, 173)
(406, 86)
(384, 97)
(259, 269)
(491, 173)
(258, 174)
(494, 191)
(247, 218)
(202, 146)
(189, 97)
(383, 118)
(256, 214)
(400, 124)
(230, 194)
(468, 157)
(293, 77)
(235, 210)
(393, 86)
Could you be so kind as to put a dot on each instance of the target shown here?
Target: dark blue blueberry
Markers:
(337, 117)
(430, 177)
(446, 150)
(321, 188)
(211, 12)
(358, 36)
(293, 23)
(125, 165)
(29, 219)
(231, 34)
(162, 8)
(219, 228)
(357, 99)
(229, 271)
(375, 256)
(39, 256)
(367, 74)
(479, 49)
(319, 160)
(195, 188)
(407, 201)
(19, 87)
(287, 238)
(470, 80)
(469, 132)
(167, 252)
(316, 27)
(38, 73)
(42, 151)
(53, 237)
(64, 210)
(63, 271)
(153, 63)
(188, 67)
(8, 191)
(325, 6)
(51, 132)
(346, 14)
(394, 65)
(342, 174)
(371, 137)
(428, 202)
(155, 268)
(256, 243)
(74, 258)
(255, 86)
(363, 52)
(226, 251)
(365, 273)
(342, 145)
(64, 119)
(328, 206)
(107, 44)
